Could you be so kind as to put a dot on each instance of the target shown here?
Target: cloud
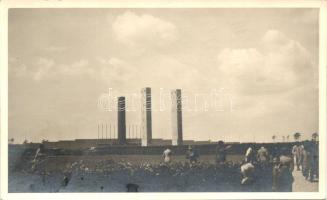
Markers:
(160, 71)
(274, 39)
(280, 65)
(135, 30)
(111, 70)
(45, 68)
(271, 83)
(76, 68)
(115, 70)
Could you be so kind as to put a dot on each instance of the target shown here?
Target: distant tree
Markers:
(273, 138)
(288, 138)
(25, 141)
(315, 136)
(297, 136)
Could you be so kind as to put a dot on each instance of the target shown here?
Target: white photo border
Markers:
(8, 4)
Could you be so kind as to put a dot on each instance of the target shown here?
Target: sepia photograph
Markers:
(164, 99)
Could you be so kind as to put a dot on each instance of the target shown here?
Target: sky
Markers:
(245, 74)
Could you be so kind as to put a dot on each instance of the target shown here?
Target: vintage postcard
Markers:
(163, 100)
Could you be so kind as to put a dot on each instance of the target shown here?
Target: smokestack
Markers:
(121, 120)
(146, 124)
(176, 122)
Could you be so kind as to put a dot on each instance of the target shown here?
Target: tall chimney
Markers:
(146, 124)
(176, 122)
(121, 120)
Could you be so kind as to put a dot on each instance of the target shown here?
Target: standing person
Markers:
(250, 155)
(301, 155)
(167, 154)
(296, 151)
(286, 167)
(306, 161)
(263, 155)
(263, 169)
(192, 155)
(221, 152)
(311, 161)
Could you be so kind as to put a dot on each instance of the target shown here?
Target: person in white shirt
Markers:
(167, 156)
(249, 155)
(247, 171)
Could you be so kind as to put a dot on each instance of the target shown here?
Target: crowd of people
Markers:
(265, 168)
(279, 163)
(305, 157)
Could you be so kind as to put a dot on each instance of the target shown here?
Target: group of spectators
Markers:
(279, 163)
(305, 157)
(276, 165)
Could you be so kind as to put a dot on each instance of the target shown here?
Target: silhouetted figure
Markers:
(297, 155)
(306, 163)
